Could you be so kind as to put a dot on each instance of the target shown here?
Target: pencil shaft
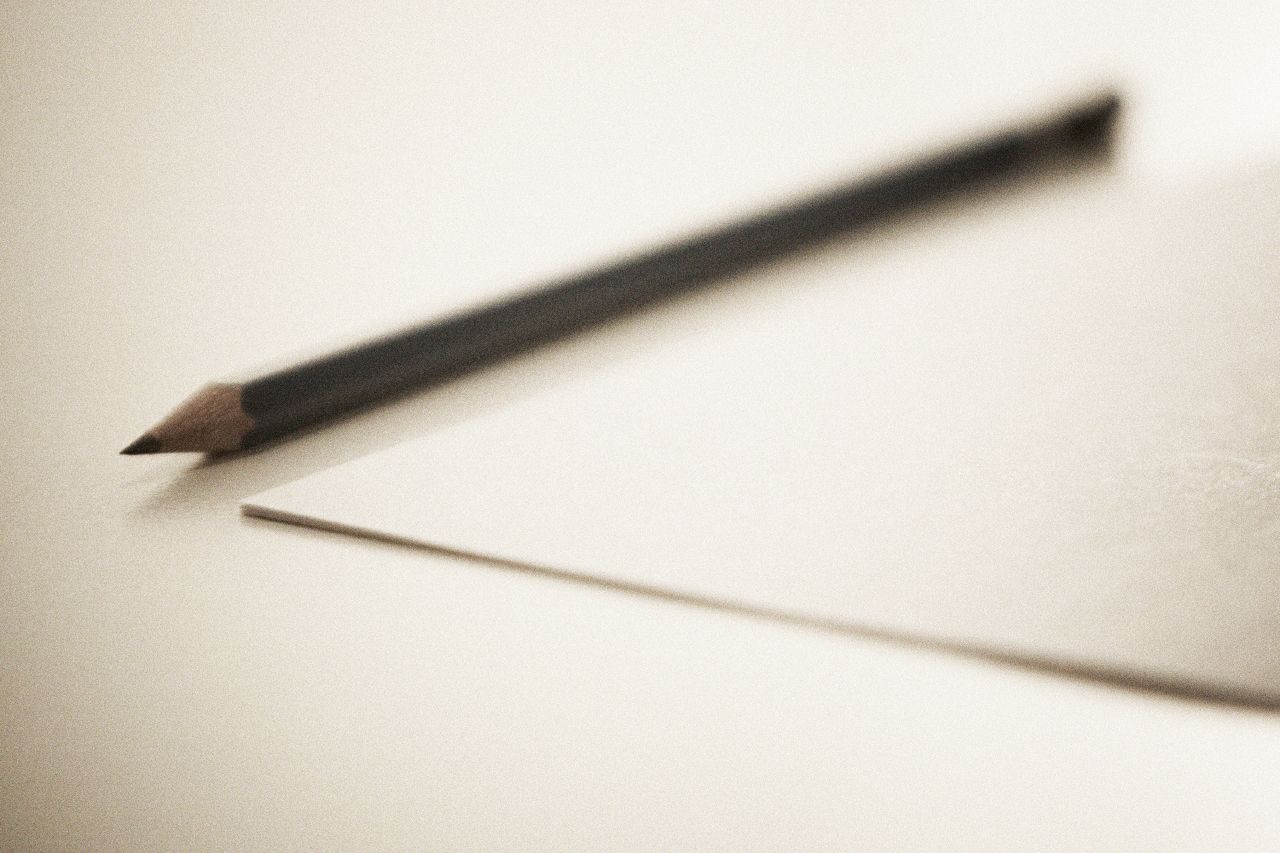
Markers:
(306, 393)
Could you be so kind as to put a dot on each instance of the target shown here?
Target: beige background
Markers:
(188, 189)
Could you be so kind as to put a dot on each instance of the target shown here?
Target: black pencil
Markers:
(227, 416)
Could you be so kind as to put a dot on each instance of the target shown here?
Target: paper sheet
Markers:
(1047, 431)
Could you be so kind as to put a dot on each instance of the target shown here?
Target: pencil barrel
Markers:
(306, 393)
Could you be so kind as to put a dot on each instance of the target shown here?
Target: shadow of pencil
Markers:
(217, 480)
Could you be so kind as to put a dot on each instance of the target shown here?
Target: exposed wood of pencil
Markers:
(224, 417)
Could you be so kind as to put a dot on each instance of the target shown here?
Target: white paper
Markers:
(1048, 430)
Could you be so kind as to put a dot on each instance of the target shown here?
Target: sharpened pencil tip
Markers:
(148, 443)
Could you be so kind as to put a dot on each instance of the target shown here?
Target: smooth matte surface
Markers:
(173, 676)
(1046, 430)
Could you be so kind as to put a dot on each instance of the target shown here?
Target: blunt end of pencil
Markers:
(1090, 126)
(147, 443)
(1098, 118)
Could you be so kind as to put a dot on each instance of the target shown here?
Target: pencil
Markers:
(229, 416)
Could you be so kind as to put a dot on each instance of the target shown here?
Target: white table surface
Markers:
(184, 191)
